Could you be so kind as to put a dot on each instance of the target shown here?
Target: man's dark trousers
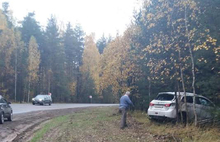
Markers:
(123, 117)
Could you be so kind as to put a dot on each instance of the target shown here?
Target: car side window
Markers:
(189, 99)
(3, 101)
(203, 101)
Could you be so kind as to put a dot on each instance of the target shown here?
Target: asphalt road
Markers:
(24, 108)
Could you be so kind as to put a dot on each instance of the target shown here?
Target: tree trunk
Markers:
(16, 62)
(149, 89)
(193, 66)
(184, 90)
(180, 108)
(29, 87)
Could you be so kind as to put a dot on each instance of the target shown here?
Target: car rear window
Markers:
(165, 97)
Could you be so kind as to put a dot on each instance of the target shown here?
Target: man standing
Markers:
(123, 107)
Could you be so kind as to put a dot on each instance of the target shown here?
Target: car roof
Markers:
(180, 93)
(42, 95)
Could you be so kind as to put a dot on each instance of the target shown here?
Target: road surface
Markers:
(24, 108)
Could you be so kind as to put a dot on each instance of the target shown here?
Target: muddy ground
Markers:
(24, 125)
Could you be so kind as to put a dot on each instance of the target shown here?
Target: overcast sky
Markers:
(98, 16)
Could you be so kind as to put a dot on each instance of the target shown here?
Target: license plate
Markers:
(158, 106)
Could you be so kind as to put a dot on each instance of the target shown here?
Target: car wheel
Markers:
(49, 103)
(2, 118)
(10, 118)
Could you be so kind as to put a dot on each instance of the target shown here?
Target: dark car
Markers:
(5, 110)
(42, 99)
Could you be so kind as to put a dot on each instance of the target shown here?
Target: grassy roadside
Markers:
(102, 124)
(179, 132)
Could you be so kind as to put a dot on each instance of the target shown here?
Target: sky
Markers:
(107, 17)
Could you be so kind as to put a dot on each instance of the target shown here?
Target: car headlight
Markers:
(33, 99)
(40, 99)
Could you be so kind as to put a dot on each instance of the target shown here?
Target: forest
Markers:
(170, 45)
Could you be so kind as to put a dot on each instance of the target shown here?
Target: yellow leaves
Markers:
(7, 43)
(33, 59)
(211, 40)
(192, 5)
(72, 86)
(217, 53)
(150, 16)
(180, 20)
(91, 61)
(3, 21)
(207, 30)
(217, 50)
(117, 65)
(151, 25)
(206, 44)
(202, 60)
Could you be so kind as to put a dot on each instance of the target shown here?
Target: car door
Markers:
(205, 108)
(46, 99)
(5, 106)
(189, 102)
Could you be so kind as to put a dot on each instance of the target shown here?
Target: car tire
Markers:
(2, 118)
(10, 118)
(33, 103)
(49, 103)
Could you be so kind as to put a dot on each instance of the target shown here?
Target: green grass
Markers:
(48, 126)
(179, 131)
(102, 124)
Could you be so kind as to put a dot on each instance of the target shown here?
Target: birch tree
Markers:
(33, 64)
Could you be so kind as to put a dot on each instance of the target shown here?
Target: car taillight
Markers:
(167, 105)
(151, 104)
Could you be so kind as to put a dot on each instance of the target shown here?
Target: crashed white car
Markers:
(164, 106)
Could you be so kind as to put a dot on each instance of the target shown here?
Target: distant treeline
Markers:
(166, 43)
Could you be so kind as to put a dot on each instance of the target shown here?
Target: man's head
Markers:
(127, 93)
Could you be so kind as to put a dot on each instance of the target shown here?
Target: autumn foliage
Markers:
(171, 45)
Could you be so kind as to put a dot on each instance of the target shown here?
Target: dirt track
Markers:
(24, 125)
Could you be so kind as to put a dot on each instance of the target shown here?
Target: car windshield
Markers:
(165, 97)
(39, 96)
(2, 101)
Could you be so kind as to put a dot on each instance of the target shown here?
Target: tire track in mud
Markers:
(24, 125)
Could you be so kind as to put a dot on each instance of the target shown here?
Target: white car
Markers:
(164, 106)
